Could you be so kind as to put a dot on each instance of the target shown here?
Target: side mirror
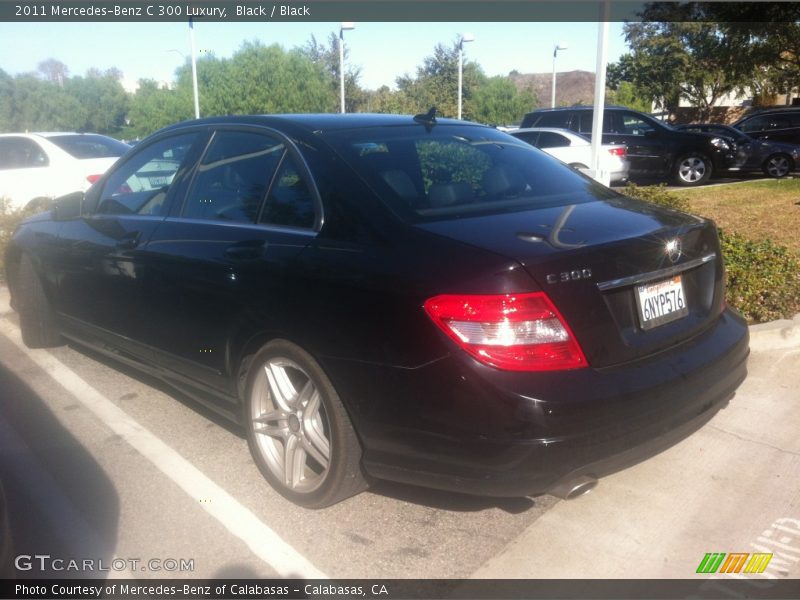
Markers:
(68, 207)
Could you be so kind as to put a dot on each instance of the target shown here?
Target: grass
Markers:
(758, 210)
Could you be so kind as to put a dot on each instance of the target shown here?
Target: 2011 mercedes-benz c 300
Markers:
(415, 299)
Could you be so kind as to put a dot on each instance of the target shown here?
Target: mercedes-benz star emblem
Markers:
(673, 250)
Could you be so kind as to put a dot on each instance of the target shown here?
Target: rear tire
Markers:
(692, 168)
(36, 317)
(298, 430)
(778, 165)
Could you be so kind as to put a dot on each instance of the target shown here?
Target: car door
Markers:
(223, 260)
(101, 265)
(24, 167)
(647, 151)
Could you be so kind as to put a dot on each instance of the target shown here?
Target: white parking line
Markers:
(236, 518)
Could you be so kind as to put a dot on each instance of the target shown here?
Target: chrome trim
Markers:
(653, 275)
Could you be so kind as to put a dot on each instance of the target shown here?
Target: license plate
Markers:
(661, 302)
(158, 181)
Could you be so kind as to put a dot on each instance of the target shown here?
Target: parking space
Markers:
(103, 463)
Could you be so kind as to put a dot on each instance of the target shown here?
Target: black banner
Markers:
(400, 589)
(343, 10)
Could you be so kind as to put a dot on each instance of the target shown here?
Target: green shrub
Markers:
(657, 194)
(9, 219)
(763, 278)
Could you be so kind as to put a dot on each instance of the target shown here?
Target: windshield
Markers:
(89, 146)
(459, 170)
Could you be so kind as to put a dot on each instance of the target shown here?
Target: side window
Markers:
(233, 177)
(529, 137)
(633, 125)
(756, 124)
(21, 153)
(585, 120)
(290, 202)
(549, 139)
(558, 119)
(140, 185)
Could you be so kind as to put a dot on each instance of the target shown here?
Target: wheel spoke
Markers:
(272, 424)
(294, 462)
(280, 387)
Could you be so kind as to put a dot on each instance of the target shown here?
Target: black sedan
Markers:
(774, 159)
(406, 298)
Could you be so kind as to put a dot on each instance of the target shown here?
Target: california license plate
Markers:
(661, 302)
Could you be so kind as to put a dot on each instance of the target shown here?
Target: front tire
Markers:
(37, 321)
(692, 169)
(778, 165)
(298, 430)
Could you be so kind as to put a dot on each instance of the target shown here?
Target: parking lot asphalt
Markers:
(102, 463)
(733, 487)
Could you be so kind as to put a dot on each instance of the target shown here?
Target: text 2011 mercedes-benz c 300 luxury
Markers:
(405, 298)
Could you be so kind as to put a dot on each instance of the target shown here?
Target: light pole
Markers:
(347, 26)
(465, 37)
(556, 48)
(194, 71)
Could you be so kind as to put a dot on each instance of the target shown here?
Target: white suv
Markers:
(47, 165)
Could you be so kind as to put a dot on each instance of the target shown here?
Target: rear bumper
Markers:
(477, 430)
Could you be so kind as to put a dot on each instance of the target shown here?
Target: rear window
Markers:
(453, 171)
(89, 146)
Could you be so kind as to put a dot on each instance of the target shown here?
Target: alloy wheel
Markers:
(777, 166)
(692, 169)
(291, 427)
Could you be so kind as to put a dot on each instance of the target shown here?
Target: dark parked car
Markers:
(775, 124)
(431, 302)
(655, 149)
(775, 159)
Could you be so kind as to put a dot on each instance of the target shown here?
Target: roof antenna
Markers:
(428, 119)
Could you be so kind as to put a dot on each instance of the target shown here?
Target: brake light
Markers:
(513, 332)
(92, 178)
(620, 151)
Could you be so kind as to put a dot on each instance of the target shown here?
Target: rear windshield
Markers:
(89, 146)
(453, 171)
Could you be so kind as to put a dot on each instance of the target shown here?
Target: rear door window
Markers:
(551, 139)
(21, 153)
(233, 177)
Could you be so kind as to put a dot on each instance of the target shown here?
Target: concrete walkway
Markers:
(733, 486)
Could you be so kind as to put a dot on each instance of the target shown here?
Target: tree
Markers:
(327, 57)
(497, 101)
(436, 83)
(53, 70)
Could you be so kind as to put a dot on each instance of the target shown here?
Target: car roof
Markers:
(320, 122)
(581, 107)
(559, 130)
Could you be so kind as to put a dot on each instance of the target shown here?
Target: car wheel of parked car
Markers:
(778, 165)
(36, 318)
(298, 430)
(692, 169)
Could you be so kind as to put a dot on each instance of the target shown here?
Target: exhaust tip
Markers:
(573, 488)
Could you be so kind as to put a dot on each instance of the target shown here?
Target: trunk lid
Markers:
(591, 257)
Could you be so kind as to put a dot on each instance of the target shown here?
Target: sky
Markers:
(383, 51)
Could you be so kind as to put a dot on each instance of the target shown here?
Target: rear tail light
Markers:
(513, 332)
(621, 151)
(93, 178)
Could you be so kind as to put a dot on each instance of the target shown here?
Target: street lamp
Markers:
(556, 48)
(465, 37)
(347, 26)
(194, 71)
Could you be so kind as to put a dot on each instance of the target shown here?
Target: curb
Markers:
(775, 335)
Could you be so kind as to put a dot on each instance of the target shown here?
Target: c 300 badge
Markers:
(567, 276)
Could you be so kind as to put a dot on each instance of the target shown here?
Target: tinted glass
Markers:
(140, 185)
(21, 153)
(549, 139)
(530, 137)
(633, 125)
(233, 177)
(558, 119)
(757, 124)
(454, 171)
(290, 202)
(89, 146)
